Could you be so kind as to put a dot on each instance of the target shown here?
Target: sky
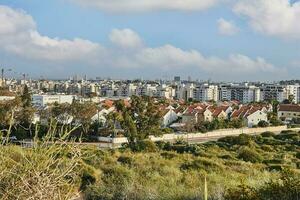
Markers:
(221, 40)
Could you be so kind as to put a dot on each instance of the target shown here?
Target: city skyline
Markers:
(221, 40)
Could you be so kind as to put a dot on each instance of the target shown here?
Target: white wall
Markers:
(204, 136)
(255, 118)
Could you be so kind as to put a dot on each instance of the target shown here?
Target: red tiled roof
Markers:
(245, 111)
(240, 112)
(217, 112)
(289, 108)
(108, 103)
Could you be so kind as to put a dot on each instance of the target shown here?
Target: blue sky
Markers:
(246, 48)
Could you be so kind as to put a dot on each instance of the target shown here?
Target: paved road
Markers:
(191, 140)
(215, 138)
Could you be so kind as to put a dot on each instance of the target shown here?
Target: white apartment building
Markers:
(146, 90)
(273, 92)
(166, 91)
(43, 100)
(185, 91)
(127, 90)
(207, 93)
(293, 90)
(242, 93)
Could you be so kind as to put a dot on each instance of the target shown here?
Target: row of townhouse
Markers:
(251, 114)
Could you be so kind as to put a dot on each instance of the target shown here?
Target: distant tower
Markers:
(177, 78)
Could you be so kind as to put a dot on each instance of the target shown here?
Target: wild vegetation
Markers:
(243, 167)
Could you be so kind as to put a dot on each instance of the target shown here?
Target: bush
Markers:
(202, 164)
(227, 157)
(274, 161)
(267, 148)
(268, 134)
(125, 160)
(263, 124)
(168, 155)
(287, 188)
(249, 155)
(242, 139)
(147, 146)
(287, 136)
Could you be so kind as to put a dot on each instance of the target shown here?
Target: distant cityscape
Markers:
(177, 89)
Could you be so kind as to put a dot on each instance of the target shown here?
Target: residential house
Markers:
(101, 115)
(219, 113)
(288, 112)
(196, 113)
(252, 115)
(169, 116)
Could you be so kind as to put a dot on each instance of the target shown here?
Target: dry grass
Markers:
(39, 173)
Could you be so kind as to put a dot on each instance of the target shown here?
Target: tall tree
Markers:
(141, 119)
(26, 97)
(83, 113)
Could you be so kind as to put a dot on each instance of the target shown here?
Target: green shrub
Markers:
(287, 188)
(275, 167)
(268, 134)
(242, 139)
(287, 136)
(147, 146)
(267, 148)
(249, 155)
(125, 160)
(168, 155)
(202, 164)
(274, 161)
(227, 157)
(263, 124)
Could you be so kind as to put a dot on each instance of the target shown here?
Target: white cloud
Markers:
(227, 27)
(278, 18)
(20, 38)
(125, 38)
(170, 57)
(18, 35)
(148, 5)
(14, 21)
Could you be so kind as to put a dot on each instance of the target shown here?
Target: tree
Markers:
(140, 120)
(83, 113)
(275, 104)
(291, 98)
(26, 97)
(8, 111)
(237, 123)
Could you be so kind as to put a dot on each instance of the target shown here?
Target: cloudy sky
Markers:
(205, 39)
